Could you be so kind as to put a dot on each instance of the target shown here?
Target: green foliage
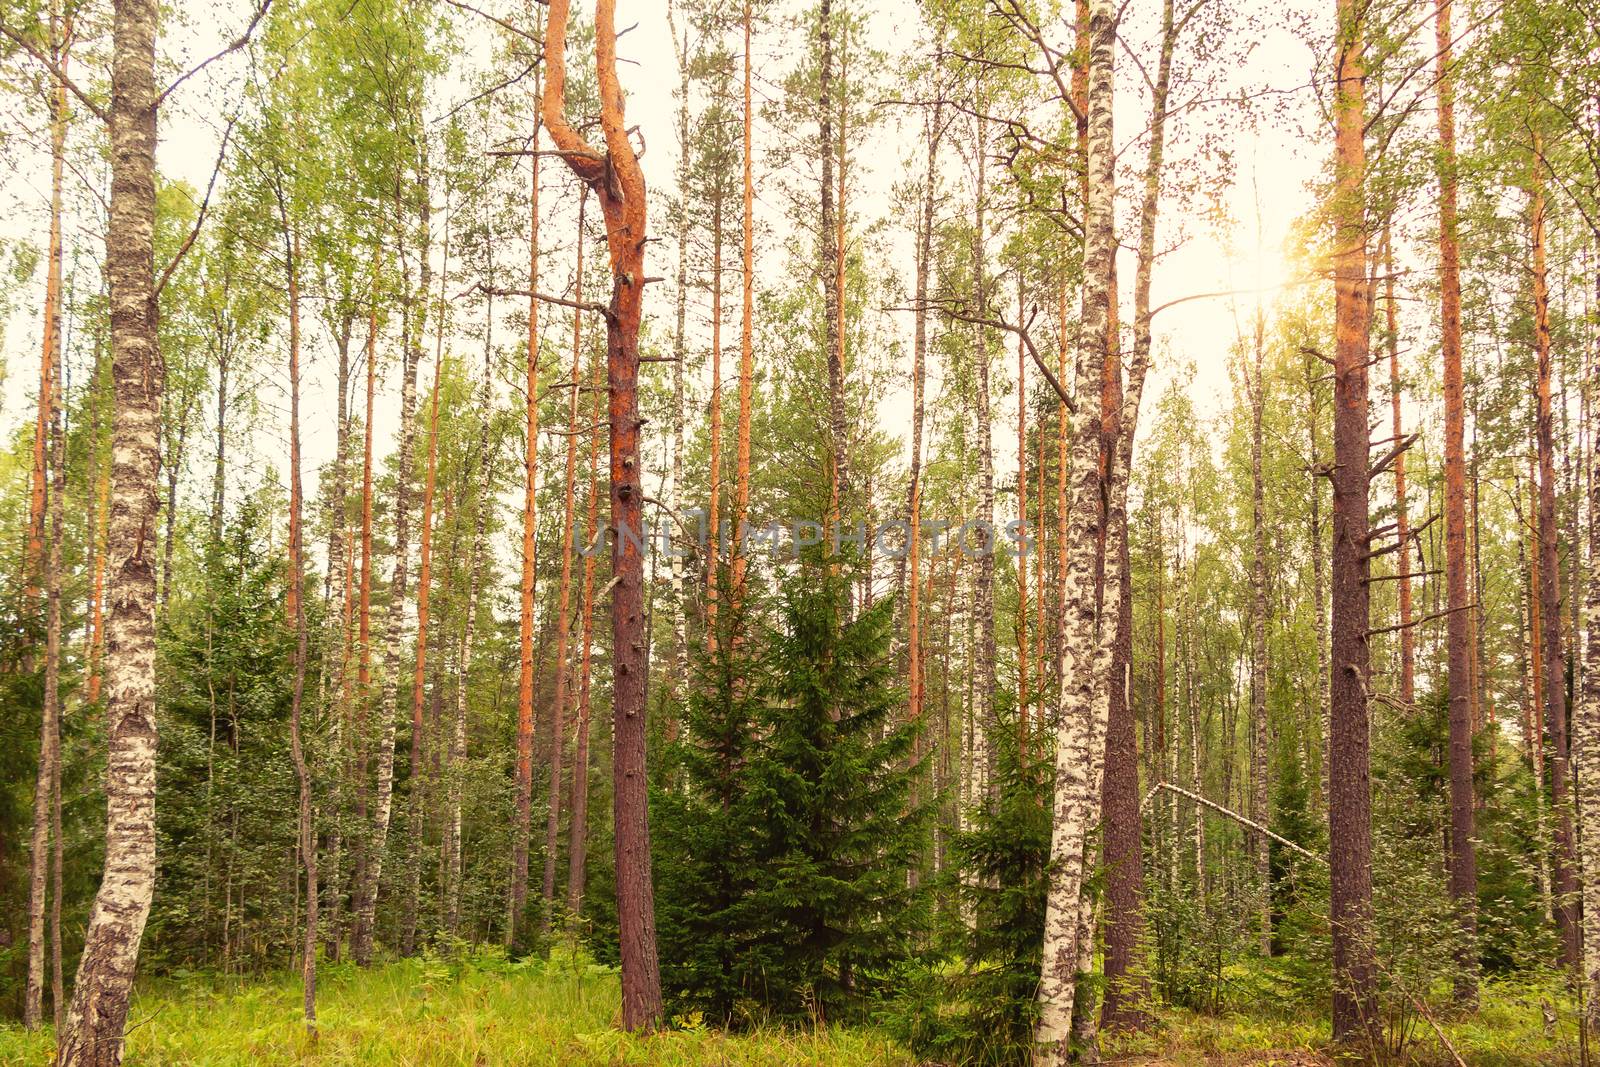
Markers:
(978, 1002)
(787, 892)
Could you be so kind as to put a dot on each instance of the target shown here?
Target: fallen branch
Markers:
(1236, 817)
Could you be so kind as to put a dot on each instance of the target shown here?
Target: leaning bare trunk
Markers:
(95, 1023)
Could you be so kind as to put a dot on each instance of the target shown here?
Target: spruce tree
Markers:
(831, 784)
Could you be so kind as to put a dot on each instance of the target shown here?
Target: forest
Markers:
(836, 532)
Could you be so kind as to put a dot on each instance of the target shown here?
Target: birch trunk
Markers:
(47, 498)
(1077, 732)
(94, 1026)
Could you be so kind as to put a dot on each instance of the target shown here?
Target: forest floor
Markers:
(479, 1012)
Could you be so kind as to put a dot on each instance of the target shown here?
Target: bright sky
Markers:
(1275, 161)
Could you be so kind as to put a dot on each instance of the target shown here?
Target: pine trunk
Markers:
(558, 735)
(578, 848)
(1555, 664)
(1458, 625)
(741, 491)
(617, 181)
(530, 520)
(1355, 1018)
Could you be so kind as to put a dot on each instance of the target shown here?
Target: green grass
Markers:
(474, 1013)
(480, 1010)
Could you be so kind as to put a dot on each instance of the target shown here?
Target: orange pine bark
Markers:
(558, 714)
(530, 519)
(741, 492)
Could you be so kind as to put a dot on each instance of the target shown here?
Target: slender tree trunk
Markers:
(1586, 721)
(578, 847)
(617, 181)
(1022, 520)
(1075, 791)
(1458, 625)
(1555, 664)
(395, 635)
(418, 781)
(47, 498)
(1319, 609)
(714, 413)
(1259, 762)
(94, 1026)
(295, 609)
(552, 828)
(830, 252)
(741, 491)
(983, 579)
(530, 520)
(1355, 1019)
(1408, 640)
(674, 493)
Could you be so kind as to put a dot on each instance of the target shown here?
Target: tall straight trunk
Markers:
(674, 492)
(558, 735)
(1355, 1018)
(617, 181)
(714, 411)
(47, 498)
(830, 253)
(95, 1022)
(530, 523)
(50, 354)
(1259, 791)
(1402, 521)
(56, 508)
(1458, 625)
(1077, 733)
(363, 699)
(1586, 720)
(172, 464)
(1063, 480)
(366, 902)
(1022, 520)
(741, 490)
(295, 609)
(418, 780)
(458, 739)
(1123, 844)
(1319, 608)
(578, 846)
(1555, 664)
(1533, 719)
(983, 579)
(100, 530)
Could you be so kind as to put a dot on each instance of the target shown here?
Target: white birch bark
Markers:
(94, 1026)
(1082, 715)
